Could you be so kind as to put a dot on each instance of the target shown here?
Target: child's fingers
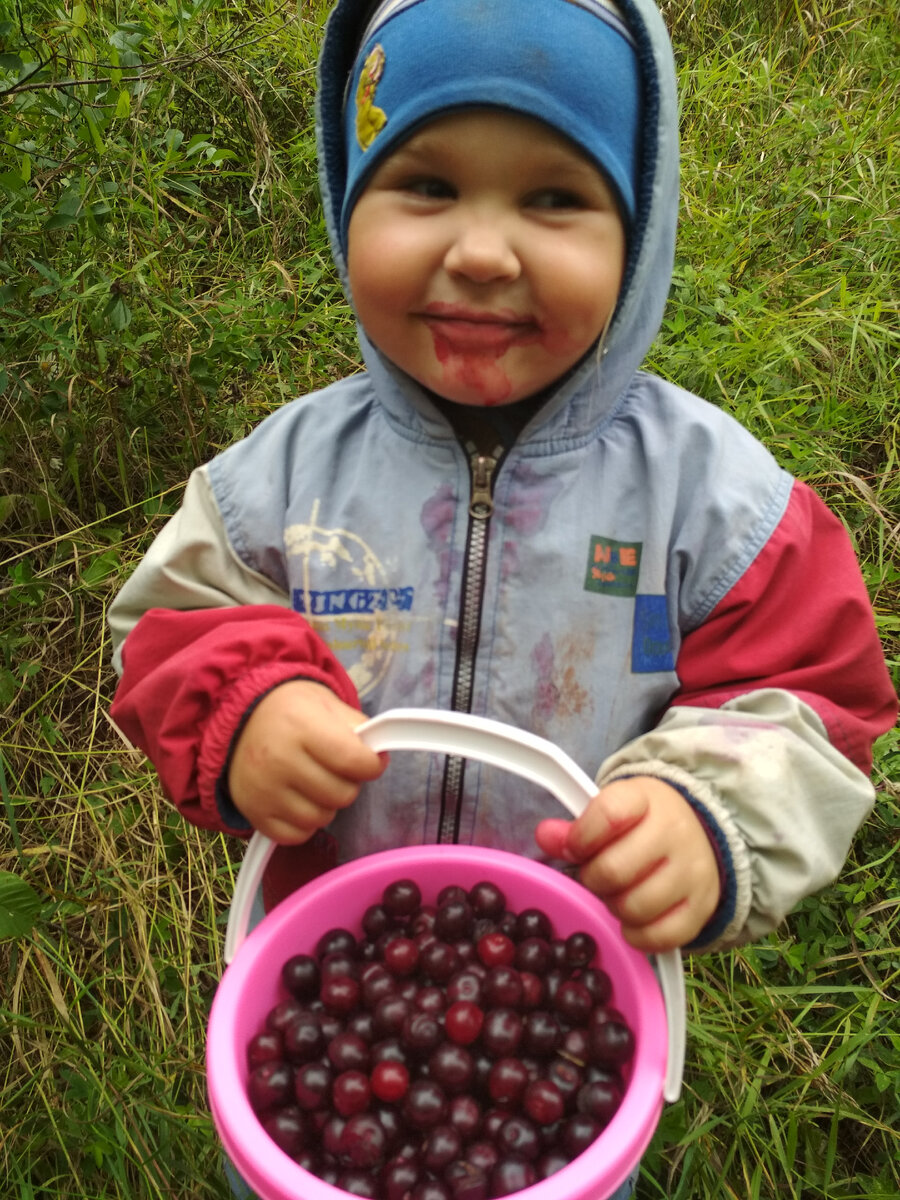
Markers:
(612, 813)
(340, 750)
(552, 836)
(673, 929)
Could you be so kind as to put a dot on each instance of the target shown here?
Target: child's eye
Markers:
(555, 198)
(429, 187)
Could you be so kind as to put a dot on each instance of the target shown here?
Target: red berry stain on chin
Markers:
(476, 370)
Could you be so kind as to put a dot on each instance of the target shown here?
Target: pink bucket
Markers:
(652, 1001)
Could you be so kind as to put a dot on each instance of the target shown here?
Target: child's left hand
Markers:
(646, 854)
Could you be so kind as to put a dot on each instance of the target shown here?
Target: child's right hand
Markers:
(298, 761)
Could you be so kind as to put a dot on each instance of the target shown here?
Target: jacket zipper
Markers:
(483, 469)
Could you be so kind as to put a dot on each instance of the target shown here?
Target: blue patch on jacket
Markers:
(651, 645)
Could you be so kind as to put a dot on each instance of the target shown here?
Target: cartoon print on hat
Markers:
(370, 119)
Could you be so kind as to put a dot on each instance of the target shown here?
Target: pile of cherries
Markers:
(456, 1051)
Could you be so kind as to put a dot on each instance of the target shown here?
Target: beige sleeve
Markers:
(787, 803)
(191, 564)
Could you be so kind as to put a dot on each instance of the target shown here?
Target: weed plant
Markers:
(164, 283)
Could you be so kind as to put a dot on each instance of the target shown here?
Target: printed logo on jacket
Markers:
(613, 569)
(365, 620)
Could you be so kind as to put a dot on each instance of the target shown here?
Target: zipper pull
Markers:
(481, 504)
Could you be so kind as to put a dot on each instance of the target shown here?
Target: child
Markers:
(504, 515)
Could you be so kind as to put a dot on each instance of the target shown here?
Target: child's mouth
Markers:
(464, 330)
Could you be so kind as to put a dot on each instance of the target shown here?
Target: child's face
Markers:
(485, 256)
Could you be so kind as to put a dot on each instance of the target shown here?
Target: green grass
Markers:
(165, 282)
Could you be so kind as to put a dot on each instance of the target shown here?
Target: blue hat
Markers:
(569, 63)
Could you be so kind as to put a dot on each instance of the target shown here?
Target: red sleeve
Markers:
(798, 619)
(188, 679)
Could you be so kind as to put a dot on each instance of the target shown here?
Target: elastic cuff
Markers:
(228, 721)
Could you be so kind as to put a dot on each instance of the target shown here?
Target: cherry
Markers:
(362, 1142)
(452, 1067)
(423, 920)
(288, 1128)
(453, 919)
(465, 1181)
(580, 949)
(503, 987)
(496, 949)
(463, 1021)
(338, 963)
(464, 1113)
(533, 954)
(279, 1017)
(399, 1177)
(401, 956)
(390, 1049)
(573, 1001)
(598, 983)
(270, 1085)
(439, 961)
(576, 1046)
(502, 1031)
(425, 1104)
(356, 1181)
(362, 1023)
(599, 1099)
(487, 900)
(532, 990)
(551, 1162)
(335, 940)
(350, 1093)
(541, 1033)
(375, 983)
(441, 1147)
(543, 1101)
(567, 1076)
(533, 922)
(579, 1132)
(303, 1038)
(512, 1175)
(430, 1189)
(389, 1015)
(312, 1085)
(518, 1136)
(389, 1081)
(421, 1033)
(611, 1043)
(431, 999)
(507, 1080)
(348, 1051)
(483, 1155)
(300, 975)
(401, 898)
(340, 994)
(376, 921)
(466, 985)
(267, 1046)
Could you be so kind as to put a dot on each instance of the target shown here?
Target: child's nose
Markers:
(482, 251)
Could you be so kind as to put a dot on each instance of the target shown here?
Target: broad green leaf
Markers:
(20, 906)
(61, 221)
(101, 567)
(123, 104)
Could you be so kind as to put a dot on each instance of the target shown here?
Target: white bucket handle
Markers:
(514, 750)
